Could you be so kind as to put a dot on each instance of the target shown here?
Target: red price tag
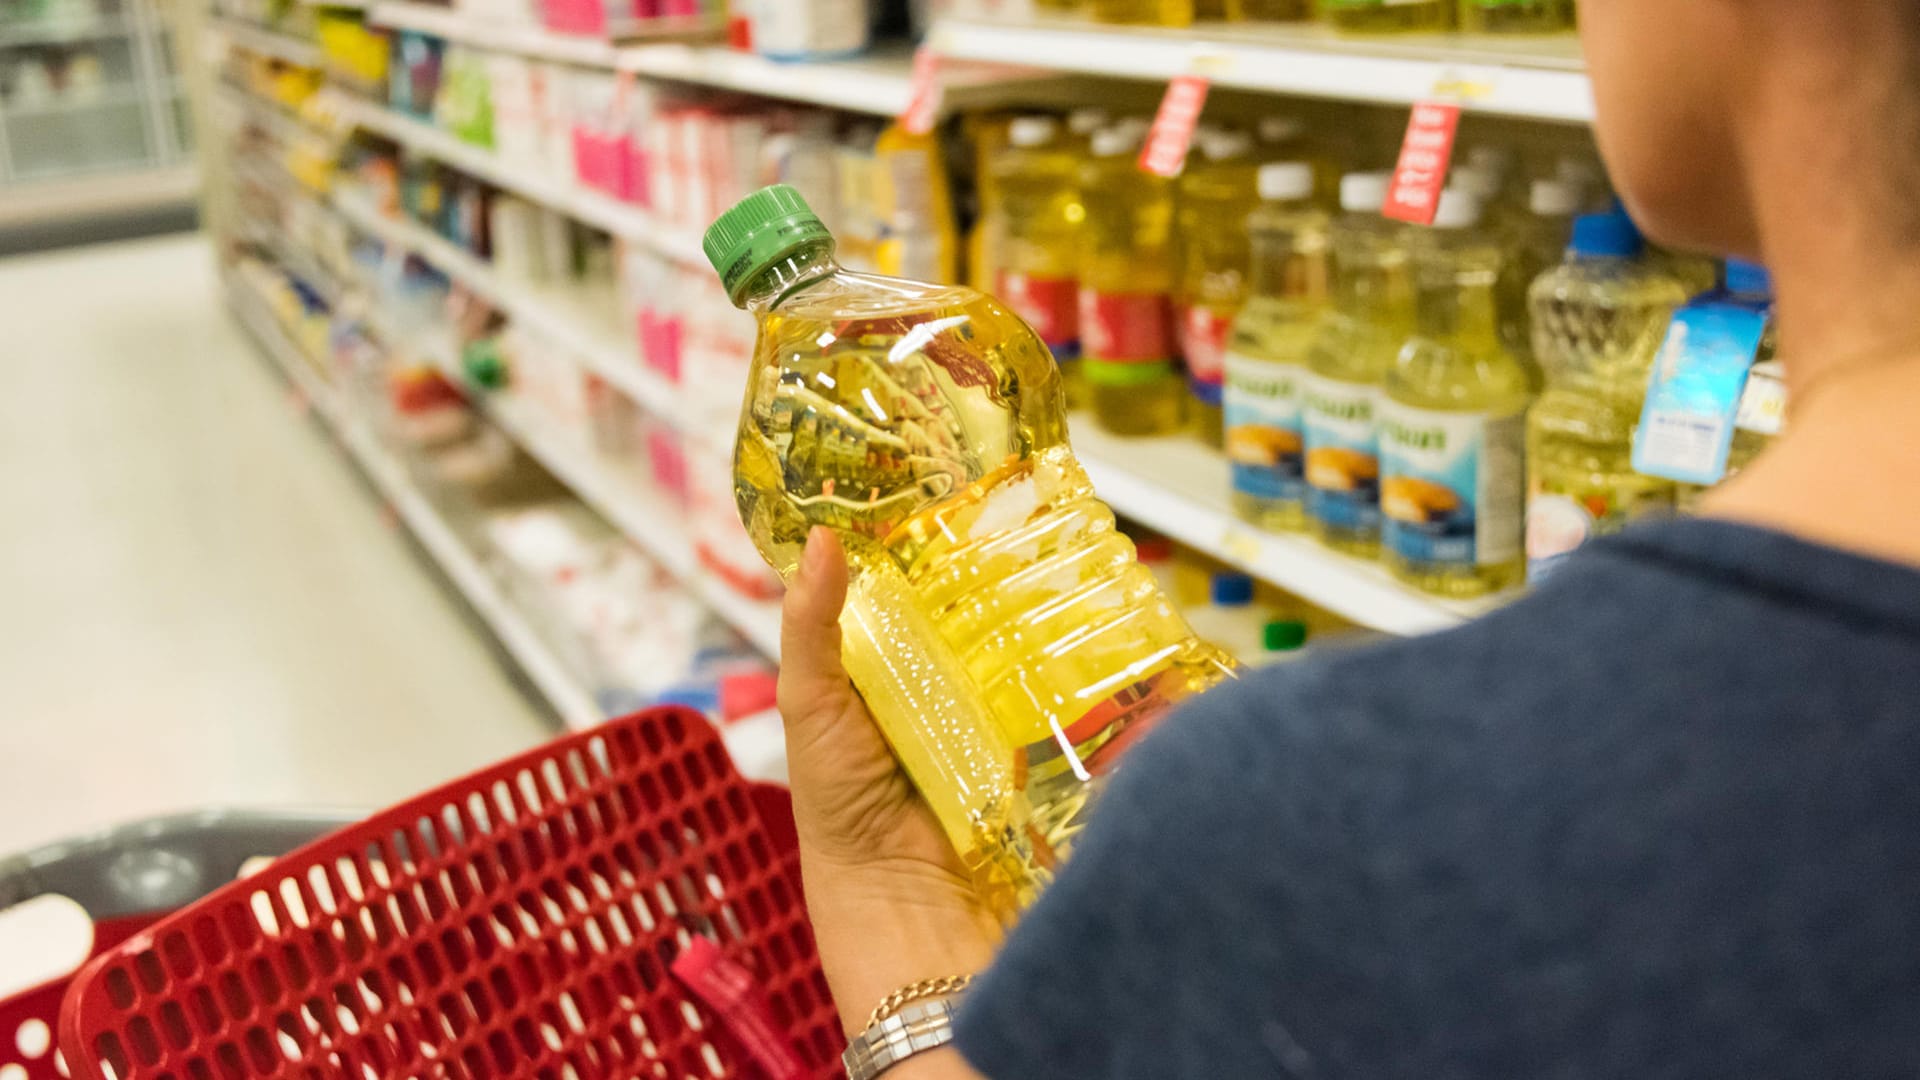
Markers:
(924, 93)
(1422, 170)
(1171, 136)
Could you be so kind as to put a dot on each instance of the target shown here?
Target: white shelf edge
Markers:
(573, 199)
(270, 42)
(1197, 513)
(574, 703)
(1482, 76)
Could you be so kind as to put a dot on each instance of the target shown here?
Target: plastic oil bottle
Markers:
(1388, 16)
(1142, 12)
(1276, 10)
(1598, 319)
(1516, 16)
(1037, 186)
(1353, 349)
(1452, 426)
(1267, 358)
(1129, 357)
(998, 625)
(1214, 197)
(1535, 241)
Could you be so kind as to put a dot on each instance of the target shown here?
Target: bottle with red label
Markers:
(1037, 219)
(1216, 194)
(1130, 361)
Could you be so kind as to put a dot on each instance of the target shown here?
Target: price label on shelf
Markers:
(924, 93)
(1165, 152)
(1421, 172)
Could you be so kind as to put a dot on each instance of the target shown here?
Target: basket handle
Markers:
(162, 863)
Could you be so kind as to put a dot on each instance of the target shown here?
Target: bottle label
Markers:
(1126, 328)
(1560, 524)
(1454, 486)
(1051, 305)
(1694, 398)
(1103, 734)
(1343, 453)
(1266, 440)
(1203, 340)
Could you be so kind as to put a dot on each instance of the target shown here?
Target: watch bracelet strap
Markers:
(919, 1027)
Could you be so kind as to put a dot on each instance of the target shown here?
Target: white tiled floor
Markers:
(200, 603)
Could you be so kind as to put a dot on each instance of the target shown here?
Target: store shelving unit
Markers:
(572, 701)
(269, 42)
(1535, 79)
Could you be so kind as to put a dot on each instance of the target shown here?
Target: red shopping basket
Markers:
(610, 905)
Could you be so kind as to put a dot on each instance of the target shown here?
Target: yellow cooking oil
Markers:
(1276, 10)
(1354, 347)
(1216, 192)
(1267, 356)
(998, 625)
(985, 136)
(1142, 12)
(1598, 320)
(1516, 16)
(1036, 180)
(1453, 420)
(1129, 357)
(1388, 16)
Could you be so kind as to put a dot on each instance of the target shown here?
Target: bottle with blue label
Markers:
(1598, 319)
(1352, 351)
(1453, 422)
(1267, 355)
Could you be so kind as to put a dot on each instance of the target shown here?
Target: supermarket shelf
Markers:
(524, 38)
(1536, 78)
(43, 201)
(880, 83)
(555, 315)
(589, 207)
(269, 42)
(1179, 487)
(574, 702)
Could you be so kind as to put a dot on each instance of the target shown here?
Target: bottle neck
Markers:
(1291, 264)
(1459, 299)
(807, 266)
(1378, 293)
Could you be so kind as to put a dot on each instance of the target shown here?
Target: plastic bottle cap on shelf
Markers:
(1364, 193)
(1748, 279)
(1459, 209)
(1579, 170)
(761, 230)
(1232, 590)
(1283, 180)
(1278, 129)
(1609, 235)
(1553, 198)
(1027, 132)
(1086, 121)
(1153, 549)
(1114, 141)
(1492, 158)
(1284, 635)
(1484, 183)
(1225, 144)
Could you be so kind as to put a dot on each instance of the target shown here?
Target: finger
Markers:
(812, 680)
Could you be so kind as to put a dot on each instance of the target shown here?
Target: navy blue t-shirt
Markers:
(1660, 819)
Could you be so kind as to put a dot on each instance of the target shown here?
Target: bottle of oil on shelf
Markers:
(998, 625)
(1453, 422)
(1598, 319)
(1516, 16)
(1215, 195)
(1388, 16)
(1174, 13)
(1276, 10)
(1037, 183)
(1129, 358)
(1353, 349)
(1268, 355)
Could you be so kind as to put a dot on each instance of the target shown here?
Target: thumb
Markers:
(812, 681)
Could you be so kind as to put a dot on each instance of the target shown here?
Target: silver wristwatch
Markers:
(921, 1026)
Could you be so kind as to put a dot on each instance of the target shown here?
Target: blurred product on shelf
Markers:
(800, 30)
(1267, 356)
(1216, 192)
(923, 424)
(1527, 17)
(616, 19)
(1389, 16)
(353, 54)
(1036, 218)
(1353, 350)
(1597, 323)
(1174, 13)
(1130, 359)
(1452, 420)
(1517, 16)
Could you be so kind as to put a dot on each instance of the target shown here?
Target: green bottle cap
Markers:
(761, 230)
(1285, 635)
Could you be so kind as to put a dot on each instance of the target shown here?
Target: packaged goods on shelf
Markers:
(627, 18)
(354, 55)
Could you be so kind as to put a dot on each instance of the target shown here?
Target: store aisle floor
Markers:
(200, 602)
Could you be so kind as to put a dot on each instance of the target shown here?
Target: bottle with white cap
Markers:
(1535, 241)
(1453, 425)
(1348, 362)
(1216, 193)
(1267, 356)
